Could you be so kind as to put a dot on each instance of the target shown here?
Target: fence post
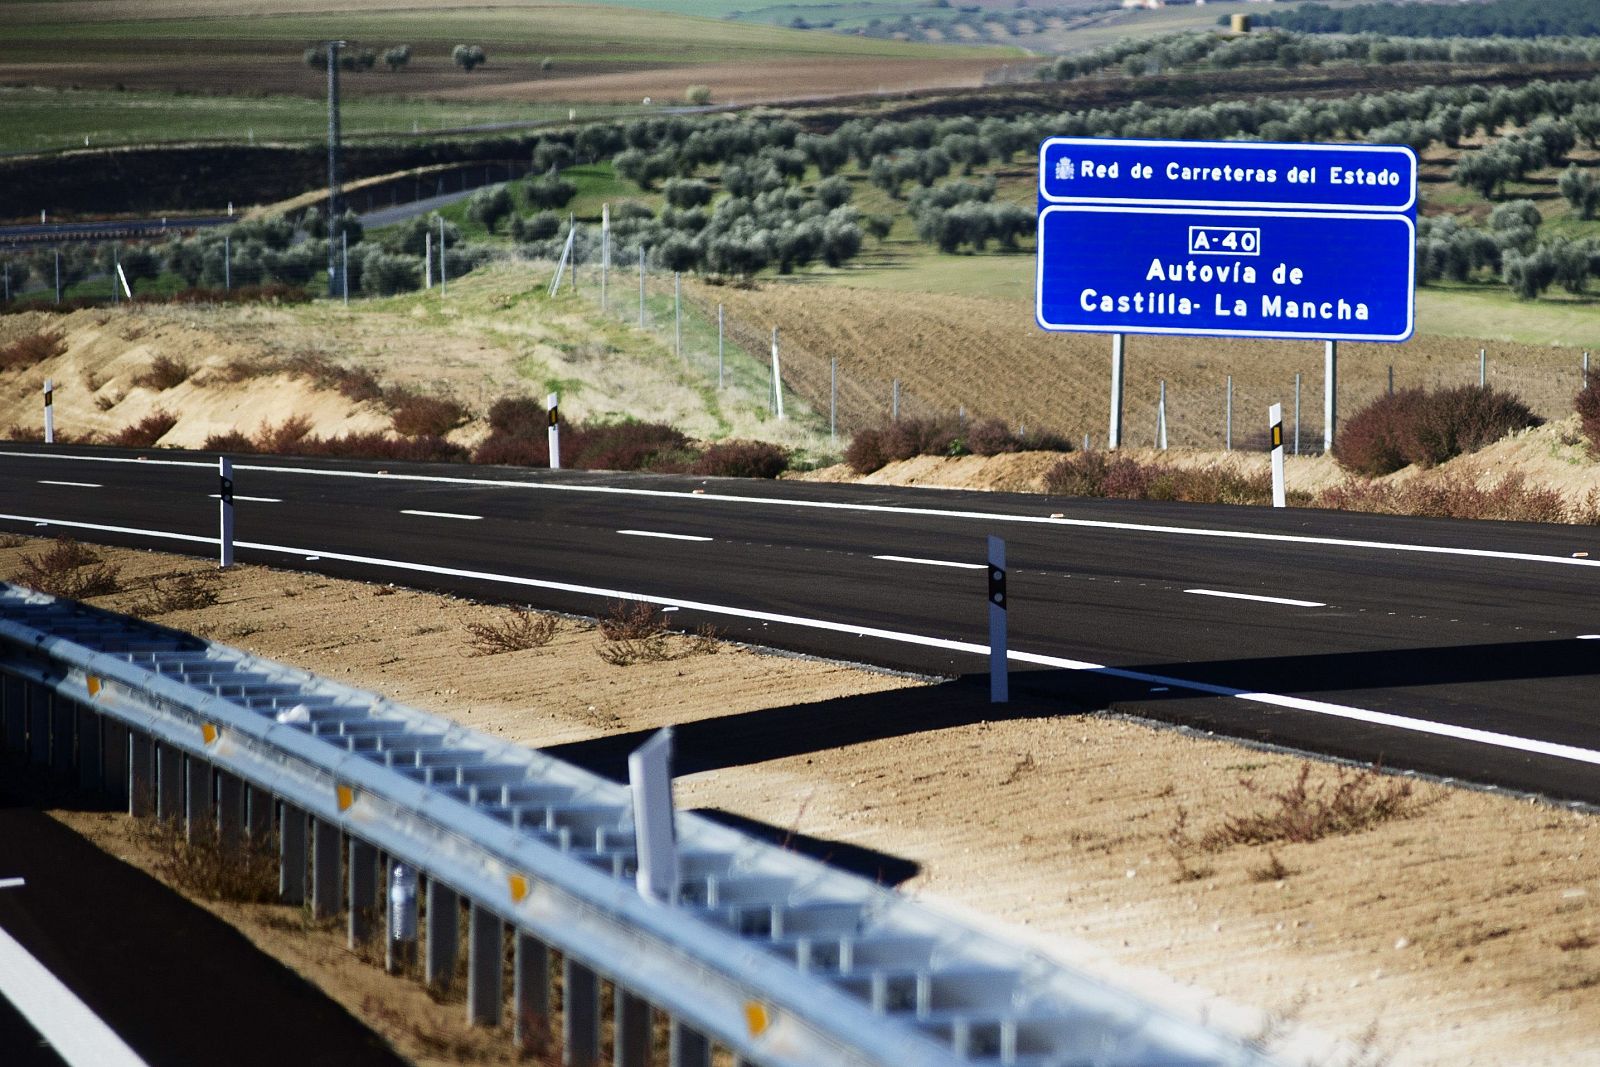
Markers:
(999, 681)
(427, 259)
(719, 346)
(344, 265)
(58, 274)
(641, 287)
(677, 313)
(227, 262)
(49, 412)
(1483, 367)
(1297, 413)
(225, 512)
(441, 257)
(1275, 420)
(833, 400)
(605, 253)
(1586, 370)
(894, 400)
(552, 406)
(1114, 438)
(1227, 419)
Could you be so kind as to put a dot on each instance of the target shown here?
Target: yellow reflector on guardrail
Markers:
(519, 887)
(756, 1017)
(347, 796)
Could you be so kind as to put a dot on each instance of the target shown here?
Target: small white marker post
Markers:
(777, 377)
(225, 513)
(49, 412)
(650, 777)
(427, 259)
(999, 680)
(1161, 418)
(552, 406)
(123, 278)
(1275, 419)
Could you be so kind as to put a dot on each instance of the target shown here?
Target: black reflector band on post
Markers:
(226, 491)
(997, 587)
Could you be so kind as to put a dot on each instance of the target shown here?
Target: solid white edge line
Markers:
(76, 1034)
(12, 883)
(942, 513)
(1319, 707)
(74, 485)
(1258, 597)
(441, 515)
(664, 536)
(934, 562)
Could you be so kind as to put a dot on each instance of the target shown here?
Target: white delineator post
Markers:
(1161, 418)
(999, 680)
(1330, 392)
(49, 412)
(552, 406)
(427, 259)
(650, 777)
(1118, 343)
(1275, 418)
(777, 377)
(224, 512)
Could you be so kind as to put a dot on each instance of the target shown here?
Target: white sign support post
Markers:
(552, 406)
(999, 680)
(1330, 392)
(49, 412)
(1118, 344)
(1275, 419)
(224, 513)
(650, 778)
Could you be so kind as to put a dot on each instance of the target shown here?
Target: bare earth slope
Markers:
(1465, 932)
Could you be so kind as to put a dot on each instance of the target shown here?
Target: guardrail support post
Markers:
(444, 935)
(88, 748)
(363, 891)
(325, 888)
(530, 992)
(580, 1030)
(632, 1041)
(169, 782)
(141, 775)
(292, 855)
(230, 811)
(199, 810)
(485, 994)
(38, 723)
(258, 813)
(61, 716)
(687, 1048)
(114, 760)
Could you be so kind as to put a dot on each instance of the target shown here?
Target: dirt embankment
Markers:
(1461, 928)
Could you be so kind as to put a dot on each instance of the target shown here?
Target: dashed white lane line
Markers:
(1589, 637)
(439, 514)
(1317, 707)
(934, 562)
(73, 485)
(250, 499)
(666, 536)
(11, 883)
(1258, 598)
(75, 1033)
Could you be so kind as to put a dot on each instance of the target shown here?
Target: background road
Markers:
(1453, 648)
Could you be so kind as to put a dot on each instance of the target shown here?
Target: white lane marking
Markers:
(250, 499)
(934, 562)
(667, 536)
(1589, 637)
(1318, 707)
(11, 883)
(941, 513)
(440, 514)
(74, 485)
(75, 1033)
(1261, 599)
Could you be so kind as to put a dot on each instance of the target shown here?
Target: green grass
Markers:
(43, 120)
(1488, 310)
(598, 185)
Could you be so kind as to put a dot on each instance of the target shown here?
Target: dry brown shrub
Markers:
(164, 373)
(1303, 811)
(513, 631)
(425, 416)
(146, 432)
(245, 874)
(177, 591)
(633, 632)
(69, 569)
(27, 351)
(12, 540)
(284, 436)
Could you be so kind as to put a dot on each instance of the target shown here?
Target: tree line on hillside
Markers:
(1494, 18)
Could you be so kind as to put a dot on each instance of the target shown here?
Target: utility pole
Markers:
(333, 162)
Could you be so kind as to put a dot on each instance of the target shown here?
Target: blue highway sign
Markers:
(1087, 170)
(1227, 239)
(1331, 276)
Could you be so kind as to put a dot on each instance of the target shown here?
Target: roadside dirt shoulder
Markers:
(1456, 928)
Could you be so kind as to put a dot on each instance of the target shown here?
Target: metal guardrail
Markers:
(776, 957)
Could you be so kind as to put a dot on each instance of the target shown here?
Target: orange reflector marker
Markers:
(519, 887)
(210, 733)
(756, 1017)
(93, 685)
(347, 797)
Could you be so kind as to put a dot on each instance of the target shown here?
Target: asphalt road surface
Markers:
(1454, 648)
